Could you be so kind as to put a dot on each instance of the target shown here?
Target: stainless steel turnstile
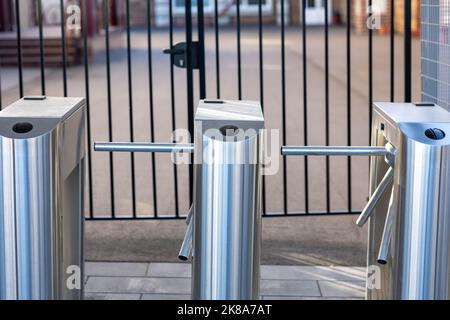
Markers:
(224, 225)
(42, 150)
(227, 201)
(409, 232)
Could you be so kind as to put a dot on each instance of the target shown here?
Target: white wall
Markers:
(162, 10)
(26, 13)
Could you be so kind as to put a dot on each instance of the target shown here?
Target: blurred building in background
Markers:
(314, 14)
(159, 13)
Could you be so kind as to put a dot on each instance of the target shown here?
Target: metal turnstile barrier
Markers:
(224, 225)
(409, 232)
(42, 151)
(409, 229)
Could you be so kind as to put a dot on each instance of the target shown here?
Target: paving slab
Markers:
(112, 296)
(305, 298)
(290, 288)
(176, 270)
(342, 288)
(166, 297)
(138, 285)
(171, 281)
(310, 273)
(123, 269)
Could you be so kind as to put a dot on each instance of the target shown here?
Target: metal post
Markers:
(408, 51)
(224, 224)
(42, 157)
(227, 201)
(189, 83)
(201, 49)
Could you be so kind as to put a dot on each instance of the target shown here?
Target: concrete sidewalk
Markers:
(307, 241)
(171, 281)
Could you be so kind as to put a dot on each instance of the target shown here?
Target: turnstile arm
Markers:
(143, 147)
(379, 191)
(389, 153)
(334, 151)
(386, 238)
(186, 246)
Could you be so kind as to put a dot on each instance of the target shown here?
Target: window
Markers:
(247, 6)
(252, 6)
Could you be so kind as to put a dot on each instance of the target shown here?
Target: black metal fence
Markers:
(191, 94)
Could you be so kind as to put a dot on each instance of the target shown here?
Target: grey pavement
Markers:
(171, 281)
(309, 240)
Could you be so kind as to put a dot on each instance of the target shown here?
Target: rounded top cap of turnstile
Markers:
(426, 123)
(33, 116)
(225, 115)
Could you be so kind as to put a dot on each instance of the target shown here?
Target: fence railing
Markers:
(216, 68)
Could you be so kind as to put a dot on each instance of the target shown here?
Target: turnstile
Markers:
(224, 226)
(42, 151)
(409, 231)
(409, 234)
(411, 224)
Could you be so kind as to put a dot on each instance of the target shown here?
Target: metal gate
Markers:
(195, 57)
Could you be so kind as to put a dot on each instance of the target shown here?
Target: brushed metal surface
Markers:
(227, 205)
(41, 201)
(417, 262)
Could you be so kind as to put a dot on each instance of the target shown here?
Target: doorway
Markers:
(315, 12)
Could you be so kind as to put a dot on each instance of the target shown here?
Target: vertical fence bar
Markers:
(408, 51)
(305, 103)
(130, 106)
(327, 106)
(108, 80)
(283, 105)
(190, 85)
(201, 49)
(261, 88)
(63, 45)
(238, 36)
(216, 31)
(370, 45)
(392, 51)
(19, 48)
(150, 90)
(349, 106)
(172, 97)
(88, 106)
(41, 46)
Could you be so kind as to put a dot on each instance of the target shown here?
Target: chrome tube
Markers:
(186, 247)
(227, 201)
(368, 209)
(143, 147)
(42, 170)
(333, 151)
(386, 238)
